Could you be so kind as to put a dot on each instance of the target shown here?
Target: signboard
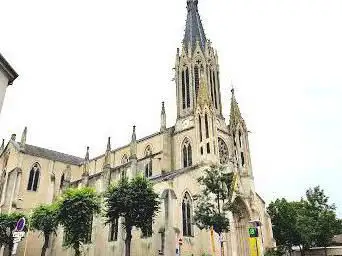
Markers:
(253, 246)
(18, 234)
(253, 232)
(20, 225)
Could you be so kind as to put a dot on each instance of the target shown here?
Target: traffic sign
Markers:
(253, 232)
(20, 225)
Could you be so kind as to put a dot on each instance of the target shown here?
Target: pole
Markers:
(28, 230)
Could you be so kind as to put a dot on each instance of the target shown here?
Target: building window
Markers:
(187, 153)
(211, 85)
(214, 85)
(201, 150)
(183, 90)
(208, 148)
(148, 166)
(124, 159)
(200, 126)
(187, 215)
(206, 126)
(196, 79)
(62, 181)
(240, 139)
(34, 178)
(147, 230)
(218, 86)
(223, 151)
(187, 88)
(242, 159)
(113, 230)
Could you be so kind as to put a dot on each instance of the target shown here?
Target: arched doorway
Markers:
(241, 218)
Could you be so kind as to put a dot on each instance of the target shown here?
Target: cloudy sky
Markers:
(91, 69)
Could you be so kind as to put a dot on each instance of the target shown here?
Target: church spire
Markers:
(23, 137)
(203, 96)
(86, 163)
(235, 114)
(193, 29)
(107, 154)
(163, 118)
(133, 146)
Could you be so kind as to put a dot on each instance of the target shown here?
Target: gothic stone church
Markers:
(172, 158)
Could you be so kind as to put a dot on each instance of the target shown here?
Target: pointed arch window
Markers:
(187, 88)
(206, 126)
(62, 181)
(240, 141)
(187, 154)
(124, 159)
(183, 90)
(196, 78)
(187, 215)
(200, 126)
(211, 85)
(218, 87)
(32, 184)
(148, 165)
(214, 86)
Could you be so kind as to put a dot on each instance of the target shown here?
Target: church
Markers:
(172, 158)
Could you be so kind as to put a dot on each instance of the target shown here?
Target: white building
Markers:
(7, 76)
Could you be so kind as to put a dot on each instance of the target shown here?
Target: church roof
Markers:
(52, 155)
(8, 70)
(193, 28)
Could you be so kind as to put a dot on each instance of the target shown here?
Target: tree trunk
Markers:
(325, 251)
(10, 248)
(128, 241)
(301, 251)
(46, 244)
(77, 249)
(9, 252)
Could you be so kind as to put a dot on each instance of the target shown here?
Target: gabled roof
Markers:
(8, 70)
(193, 28)
(52, 155)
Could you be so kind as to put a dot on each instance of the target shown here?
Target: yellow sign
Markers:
(254, 246)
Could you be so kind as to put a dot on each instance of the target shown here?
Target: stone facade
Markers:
(172, 158)
(7, 76)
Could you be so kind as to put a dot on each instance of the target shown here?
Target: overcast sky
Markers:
(91, 69)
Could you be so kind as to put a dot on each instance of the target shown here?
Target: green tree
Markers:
(285, 220)
(213, 204)
(44, 219)
(325, 223)
(77, 208)
(7, 225)
(309, 222)
(135, 201)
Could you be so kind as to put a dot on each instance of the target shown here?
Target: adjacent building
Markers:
(7, 76)
(173, 158)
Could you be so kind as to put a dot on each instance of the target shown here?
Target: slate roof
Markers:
(9, 71)
(52, 155)
(193, 28)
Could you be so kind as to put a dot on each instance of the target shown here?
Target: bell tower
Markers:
(197, 58)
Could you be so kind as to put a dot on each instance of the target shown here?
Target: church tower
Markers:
(197, 58)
